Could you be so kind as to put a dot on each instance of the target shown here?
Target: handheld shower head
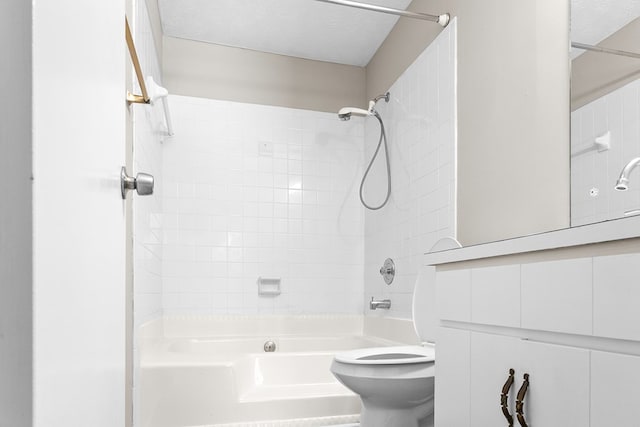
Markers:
(346, 112)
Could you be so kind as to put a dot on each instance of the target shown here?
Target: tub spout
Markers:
(376, 304)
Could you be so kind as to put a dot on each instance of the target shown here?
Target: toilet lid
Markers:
(424, 295)
(399, 355)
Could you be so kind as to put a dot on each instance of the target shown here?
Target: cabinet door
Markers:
(452, 378)
(558, 394)
(492, 356)
(614, 389)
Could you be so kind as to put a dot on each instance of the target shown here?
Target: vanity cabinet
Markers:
(568, 386)
(570, 323)
(558, 392)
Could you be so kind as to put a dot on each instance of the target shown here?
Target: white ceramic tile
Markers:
(495, 295)
(616, 296)
(548, 288)
(261, 204)
(421, 205)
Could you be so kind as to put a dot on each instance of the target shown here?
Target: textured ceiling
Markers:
(326, 32)
(301, 28)
(594, 20)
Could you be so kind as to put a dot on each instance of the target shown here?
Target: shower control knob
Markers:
(142, 183)
(388, 271)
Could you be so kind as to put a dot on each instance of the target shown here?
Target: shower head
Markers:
(623, 182)
(346, 112)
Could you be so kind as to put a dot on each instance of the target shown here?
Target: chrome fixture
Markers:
(376, 304)
(599, 49)
(269, 346)
(388, 271)
(345, 114)
(142, 183)
(623, 181)
(443, 19)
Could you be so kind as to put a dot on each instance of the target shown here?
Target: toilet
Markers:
(396, 384)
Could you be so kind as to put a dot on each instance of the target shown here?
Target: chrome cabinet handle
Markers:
(504, 397)
(520, 401)
(142, 183)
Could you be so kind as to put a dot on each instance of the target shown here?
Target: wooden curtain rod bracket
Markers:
(132, 98)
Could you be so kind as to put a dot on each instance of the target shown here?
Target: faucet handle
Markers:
(388, 271)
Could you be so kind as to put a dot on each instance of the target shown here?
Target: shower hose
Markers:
(383, 138)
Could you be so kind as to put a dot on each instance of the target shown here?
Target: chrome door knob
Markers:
(142, 183)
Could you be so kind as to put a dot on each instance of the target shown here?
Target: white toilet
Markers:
(396, 384)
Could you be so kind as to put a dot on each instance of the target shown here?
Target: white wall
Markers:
(213, 71)
(593, 173)
(420, 121)
(16, 352)
(78, 214)
(266, 191)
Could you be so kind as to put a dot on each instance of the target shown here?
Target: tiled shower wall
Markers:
(420, 121)
(149, 131)
(258, 191)
(594, 173)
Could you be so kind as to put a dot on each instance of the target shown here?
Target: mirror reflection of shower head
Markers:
(623, 181)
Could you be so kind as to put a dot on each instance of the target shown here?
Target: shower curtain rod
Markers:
(440, 19)
(599, 49)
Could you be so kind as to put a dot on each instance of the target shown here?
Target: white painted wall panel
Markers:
(79, 276)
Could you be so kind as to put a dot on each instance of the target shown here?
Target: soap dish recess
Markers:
(269, 286)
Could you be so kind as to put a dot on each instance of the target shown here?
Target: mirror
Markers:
(605, 109)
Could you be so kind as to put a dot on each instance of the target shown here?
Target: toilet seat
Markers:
(399, 355)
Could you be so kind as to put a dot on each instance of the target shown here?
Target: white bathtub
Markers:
(210, 371)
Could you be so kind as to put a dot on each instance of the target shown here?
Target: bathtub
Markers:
(214, 370)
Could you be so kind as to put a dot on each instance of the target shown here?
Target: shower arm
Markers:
(379, 97)
(443, 19)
